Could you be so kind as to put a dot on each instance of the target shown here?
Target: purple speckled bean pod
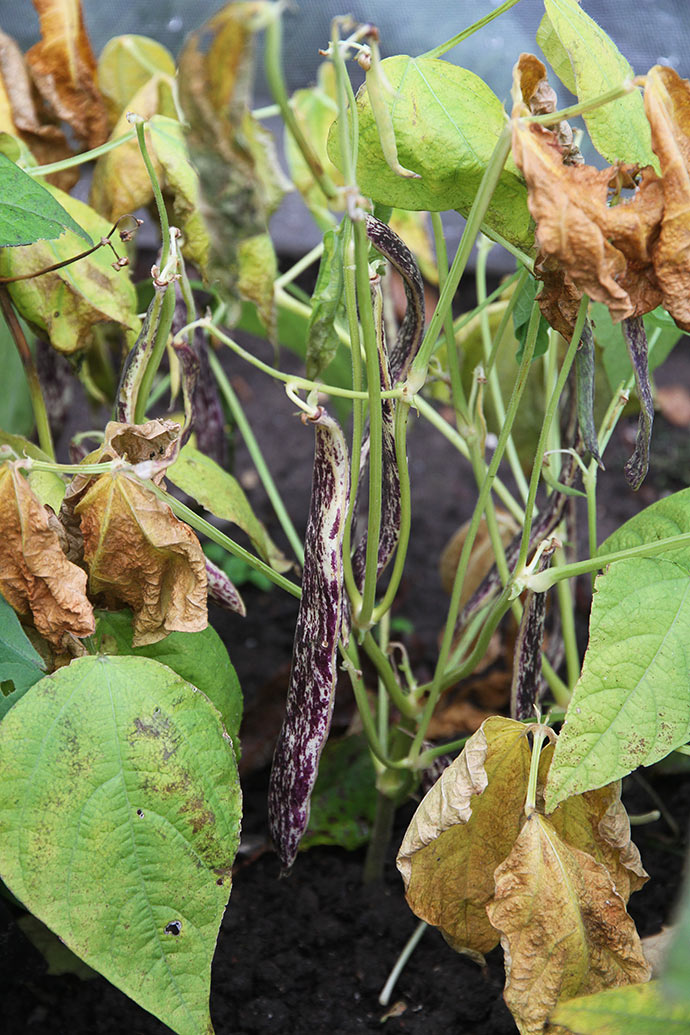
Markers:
(393, 367)
(636, 339)
(320, 624)
(222, 591)
(528, 684)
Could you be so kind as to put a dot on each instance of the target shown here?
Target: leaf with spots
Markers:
(119, 822)
(631, 704)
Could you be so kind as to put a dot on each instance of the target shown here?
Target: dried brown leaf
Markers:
(22, 116)
(564, 928)
(35, 576)
(464, 827)
(667, 103)
(605, 250)
(139, 554)
(532, 83)
(64, 69)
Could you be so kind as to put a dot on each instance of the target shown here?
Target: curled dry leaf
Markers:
(564, 928)
(35, 576)
(20, 115)
(138, 553)
(531, 83)
(667, 103)
(605, 250)
(64, 69)
(465, 826)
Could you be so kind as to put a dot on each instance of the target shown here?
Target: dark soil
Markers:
(310, 954)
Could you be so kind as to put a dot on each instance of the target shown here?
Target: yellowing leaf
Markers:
(64, 69)
(606, 250)
(465, 826)
(139, 554)
(241, 182)
(258, 268)
(125, 65)
(315, 109)
(68, 303)
(564, 927)
(667, 103)
(35, 576)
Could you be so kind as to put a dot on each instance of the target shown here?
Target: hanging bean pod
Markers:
(314, 660)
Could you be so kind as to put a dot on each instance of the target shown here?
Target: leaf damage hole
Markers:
(174, 927)
(140, 813)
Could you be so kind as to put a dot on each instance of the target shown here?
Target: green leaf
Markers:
(322, 339)
(446, 122)
(632, 1010)
(20, 663)
(199, 657)
(28, 212)
(315, 109)
(68, 303)
(221, 494)
(119, 823)
(343, 802)
(662, 335)
(619, 130)
(16, 411)
(521, 317)
(556, 54)
(631, 705)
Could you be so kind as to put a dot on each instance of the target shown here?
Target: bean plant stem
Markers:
(273, 65)
(538, 737)
(480, 205)
(565, 602)
(162, 312)
(157, 194)
(381, 834)
(462, 413)
(302, 264)
(245, 429)
(484, 246)
(369, 337)
(401, 418)
(216, 536)
(502, 604)
(85, 156)
(545, 428)
(427, 411)
(541, 581)
(443, 48)
(38, 404)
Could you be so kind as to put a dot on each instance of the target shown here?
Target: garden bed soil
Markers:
(310, 953)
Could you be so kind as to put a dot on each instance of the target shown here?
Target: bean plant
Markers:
(120, 803)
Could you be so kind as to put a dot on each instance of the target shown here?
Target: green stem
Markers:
(162, 314)
(561, 693)
(401, 418)
(380, 838)
(371, 354)
(157, 193)
(427, 411)
(543, 580)
(273, 64)
(443, 48)
(260, 464)
(300, 266)
(457, 391)
(294, 305)
(350, 294)
(538, 737)
(503, 603)
(350, 659)
(480, 205)
(462, 321)
(216, 536)
(483, 249)
(85, 156)
(291, 379)
(521, 276)
(405, 704)
(545, 429)
(581, 108)
(565, 602)
(408, 949)
(38, 404)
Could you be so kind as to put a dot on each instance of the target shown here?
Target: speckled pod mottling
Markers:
(636, 339)
(314, 659)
